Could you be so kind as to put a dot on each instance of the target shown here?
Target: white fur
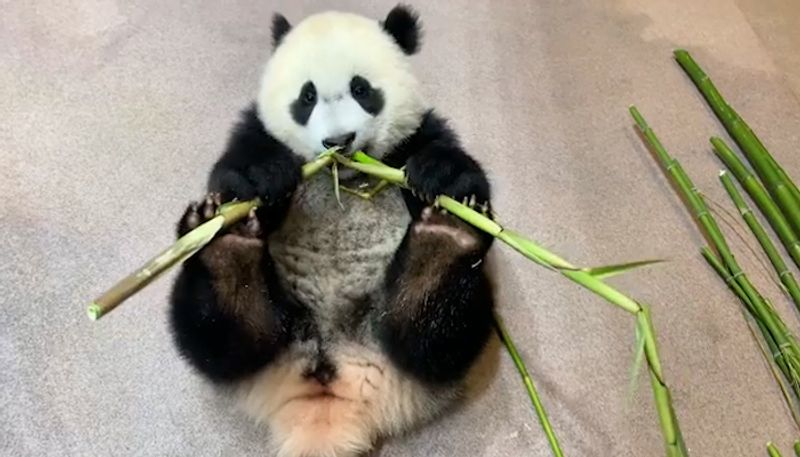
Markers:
(329, 49)
(369, 398)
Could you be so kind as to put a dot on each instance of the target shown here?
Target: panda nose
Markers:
(343, 141)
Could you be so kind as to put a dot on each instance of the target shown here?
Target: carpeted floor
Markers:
(112, 113)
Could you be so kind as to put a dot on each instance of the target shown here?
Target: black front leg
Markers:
(438, 311)
(255, 164)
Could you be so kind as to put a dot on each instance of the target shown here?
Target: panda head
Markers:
(339, 79)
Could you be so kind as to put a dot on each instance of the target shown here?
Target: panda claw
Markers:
(209, 207)
(472, 201)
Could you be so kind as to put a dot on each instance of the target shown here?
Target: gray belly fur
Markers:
(330, 256)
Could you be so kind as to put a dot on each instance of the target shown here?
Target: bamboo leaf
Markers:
(636, 366)
(610, 271)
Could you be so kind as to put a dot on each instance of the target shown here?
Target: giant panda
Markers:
(338, 326)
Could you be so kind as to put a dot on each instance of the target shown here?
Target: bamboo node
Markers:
(733, 277)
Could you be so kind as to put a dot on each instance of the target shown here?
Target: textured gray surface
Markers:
(113, 112)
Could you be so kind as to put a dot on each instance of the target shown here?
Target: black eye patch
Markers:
(302, 107)
(370, 98)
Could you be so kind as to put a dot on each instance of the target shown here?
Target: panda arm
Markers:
(255, 164)
(438, 307)
(436, 164)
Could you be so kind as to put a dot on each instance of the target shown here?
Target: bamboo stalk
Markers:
(771, 352)
(707, 222)
(762, 200)
(758, 155)
(184, 247)
(761, 309)
(529, 386)
(784, 274)
(797, 448)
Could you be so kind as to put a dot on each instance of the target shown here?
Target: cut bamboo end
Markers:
(772, 450)
(94, 311)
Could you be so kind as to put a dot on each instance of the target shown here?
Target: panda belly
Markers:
(333, 260)
(330, 256)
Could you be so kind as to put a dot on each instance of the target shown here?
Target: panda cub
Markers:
(338, 325)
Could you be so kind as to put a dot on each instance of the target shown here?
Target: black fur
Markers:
(213, 341)
(302, 107)
(434, 335)
(370, 98)
(255, 164)
(280, 27)
(402, 23)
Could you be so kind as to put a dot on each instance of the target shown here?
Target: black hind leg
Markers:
(438, 313)
(223, 315)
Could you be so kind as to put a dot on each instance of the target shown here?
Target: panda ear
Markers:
(280, 27)
(402, 23)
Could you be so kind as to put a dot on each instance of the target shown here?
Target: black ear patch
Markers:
(280, 27)
(403, 25)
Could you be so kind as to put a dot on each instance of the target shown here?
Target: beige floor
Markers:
(112, 113)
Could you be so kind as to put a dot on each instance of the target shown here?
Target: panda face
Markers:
(345, 119)
(339, 79)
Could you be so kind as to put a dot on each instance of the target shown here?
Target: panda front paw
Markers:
(200, 212)
(274, 181)
(429, 176)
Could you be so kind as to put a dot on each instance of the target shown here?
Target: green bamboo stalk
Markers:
(759, 195)
(529, 386)
(709, 225)
(676, 447)
(797, 448)
(772, 450)
(184, 247)
(758, 155)
(771, 352)
(784, 274)
(760, 307)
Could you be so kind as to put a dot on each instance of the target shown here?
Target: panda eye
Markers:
(359, 91)
(359, 87)
(309, 94)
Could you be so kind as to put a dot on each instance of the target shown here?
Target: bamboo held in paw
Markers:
(184, 248)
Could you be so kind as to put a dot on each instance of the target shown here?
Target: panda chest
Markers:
(329, 255)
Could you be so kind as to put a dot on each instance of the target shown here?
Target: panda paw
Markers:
(429, 177)
(437, 231)
(199, 212)
(274, 182)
